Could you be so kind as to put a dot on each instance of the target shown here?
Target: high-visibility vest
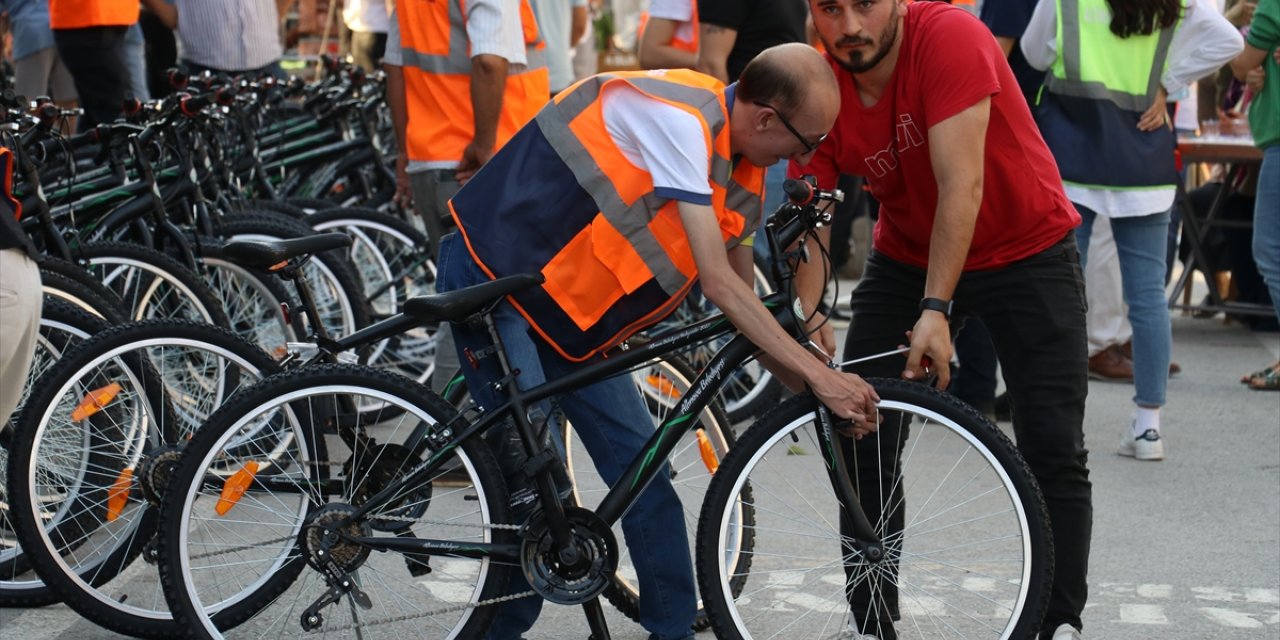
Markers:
(437, 77)
(563, 200)
(79, 14)
(1093, 97)
(6, 175)
(690, 44)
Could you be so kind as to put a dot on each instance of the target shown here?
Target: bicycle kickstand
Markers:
(595, 619)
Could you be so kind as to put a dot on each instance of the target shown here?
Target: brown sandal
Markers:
(1270, 381)
(1257, 374)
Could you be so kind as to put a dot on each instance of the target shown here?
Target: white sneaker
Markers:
(1147, 446)
(1066, 631)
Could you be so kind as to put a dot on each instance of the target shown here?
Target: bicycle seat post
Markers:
(548, 497)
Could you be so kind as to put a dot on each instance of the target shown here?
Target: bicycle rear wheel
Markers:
(238, 548)
(973, 558)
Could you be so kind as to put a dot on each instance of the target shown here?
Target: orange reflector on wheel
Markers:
(96, 401)
(118, 495)
(235, 487)
(709, 457)
(663, 385)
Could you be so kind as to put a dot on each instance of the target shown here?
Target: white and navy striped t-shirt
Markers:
(229, 35)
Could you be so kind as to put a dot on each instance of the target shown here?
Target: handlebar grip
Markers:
(177, 79)
(192, 105)
(798, 191)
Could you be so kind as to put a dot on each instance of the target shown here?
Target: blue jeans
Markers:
(1140, 241)
(613, 423)
(774, 176)
(1266, 223)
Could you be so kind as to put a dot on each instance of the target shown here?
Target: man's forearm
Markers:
(488, 79)
(953, 225)
(396, 102)
(167, 13)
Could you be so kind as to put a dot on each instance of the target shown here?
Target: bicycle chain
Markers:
(415, 616)
(442, 523)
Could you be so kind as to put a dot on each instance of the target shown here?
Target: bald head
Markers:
(791, 76)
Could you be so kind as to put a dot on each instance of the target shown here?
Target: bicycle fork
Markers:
(865, 538)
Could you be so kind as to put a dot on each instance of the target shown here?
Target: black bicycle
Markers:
(276, 539)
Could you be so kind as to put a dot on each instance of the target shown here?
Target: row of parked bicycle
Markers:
(229, 385)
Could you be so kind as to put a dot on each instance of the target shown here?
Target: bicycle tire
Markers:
(993, 585)
(662, 383)
(152, 284)
(390, 255)
(334, 281)
(269, 589)
(252, 300)
(62, 325)
(70, 282)
(168, 376)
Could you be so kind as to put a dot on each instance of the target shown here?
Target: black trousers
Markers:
(1035, 310)
(95, 58)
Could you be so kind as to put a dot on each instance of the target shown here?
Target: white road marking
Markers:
(1230, 618)
(1143, 614)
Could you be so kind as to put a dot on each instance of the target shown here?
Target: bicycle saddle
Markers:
(458, 305)
(260, 254)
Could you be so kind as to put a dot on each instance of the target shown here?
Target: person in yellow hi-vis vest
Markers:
(623, 192)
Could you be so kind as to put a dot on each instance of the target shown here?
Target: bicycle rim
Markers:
(962, 563)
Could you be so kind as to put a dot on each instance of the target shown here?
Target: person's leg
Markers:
(885, 306)
(1108, 323)
(1140, 242)
(431, 193)
(135, 61)
(1266, 223)
(19, 321)
(362, 43)
(774, 177)
(32, 75)
(95, 58)
(1035, 310)
(456, 271)
(614, 424)
(974, 382)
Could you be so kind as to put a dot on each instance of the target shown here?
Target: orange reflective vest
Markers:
(6, 173)
(562, 199)
(437, 77)
(690, 45)
(79, 14)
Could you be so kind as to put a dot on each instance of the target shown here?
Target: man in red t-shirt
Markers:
(973, 222)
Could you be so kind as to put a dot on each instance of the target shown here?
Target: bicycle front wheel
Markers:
(241, 550)
(968, 551)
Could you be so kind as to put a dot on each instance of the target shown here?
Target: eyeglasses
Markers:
(809, 147)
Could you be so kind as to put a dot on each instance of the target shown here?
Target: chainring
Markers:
(569, 584)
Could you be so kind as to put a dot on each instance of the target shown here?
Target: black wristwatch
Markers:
(937, 304)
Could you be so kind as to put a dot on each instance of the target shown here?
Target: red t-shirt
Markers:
(948, 62)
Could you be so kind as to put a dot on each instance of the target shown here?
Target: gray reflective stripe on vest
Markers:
(1073, 86)
(737, 197)
(630, 221)
(458, 60)
(575, 103)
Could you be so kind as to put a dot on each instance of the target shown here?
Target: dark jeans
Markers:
(367, 48)
(95, 58)
(1035, 310)
(975, 381)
